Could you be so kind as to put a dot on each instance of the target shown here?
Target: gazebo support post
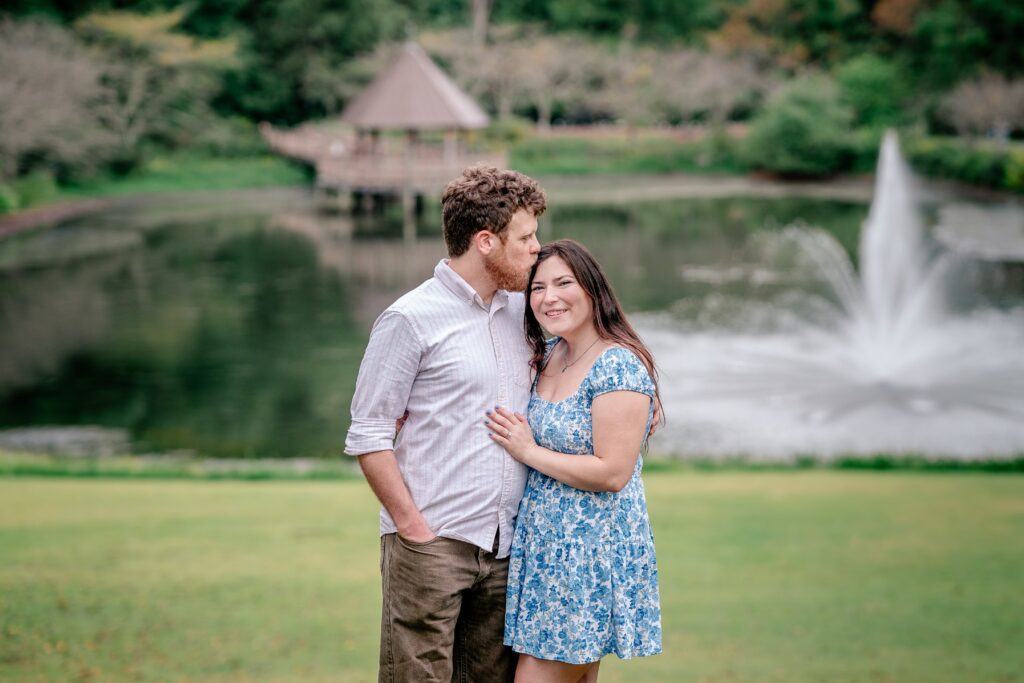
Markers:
(408, 195)
(451, 147)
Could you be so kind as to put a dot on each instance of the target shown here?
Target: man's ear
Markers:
(484, 241)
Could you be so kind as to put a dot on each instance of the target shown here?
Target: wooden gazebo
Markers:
(412, 95)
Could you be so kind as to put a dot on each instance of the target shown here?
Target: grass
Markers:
(185, 172)
(15, 464)
(170, 467)
(765, 576)
(624, 155)
(181, 172)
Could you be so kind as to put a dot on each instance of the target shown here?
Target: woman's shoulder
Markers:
(618, 355)
(620, 369)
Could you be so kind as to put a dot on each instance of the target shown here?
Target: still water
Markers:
(232, 325)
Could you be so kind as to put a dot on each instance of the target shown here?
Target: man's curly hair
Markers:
(485, 198)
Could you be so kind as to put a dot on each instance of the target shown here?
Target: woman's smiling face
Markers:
(558, 301)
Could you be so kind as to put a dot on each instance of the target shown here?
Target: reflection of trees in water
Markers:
(233, 342)
(44, 318)
(649, 248)
(239, 334)
(381, 269)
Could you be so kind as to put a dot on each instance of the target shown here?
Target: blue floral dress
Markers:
(582, 578)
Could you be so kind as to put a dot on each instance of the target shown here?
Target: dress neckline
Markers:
(579, 387)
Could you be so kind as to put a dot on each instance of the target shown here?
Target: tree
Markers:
(555, 68)
(625, 88)
(288, 39)
(694, 84)
(489, 73)
(47, 85)
(803, 131)
(481, 11)
(874, 89)
(154, 74)
(988, 105)
(791, 33)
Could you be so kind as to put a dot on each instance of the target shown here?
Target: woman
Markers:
(583, 581)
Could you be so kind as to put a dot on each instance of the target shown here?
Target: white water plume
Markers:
(894, 370)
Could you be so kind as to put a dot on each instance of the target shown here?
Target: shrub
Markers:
(872, 87)
(995, 166)
(232, 136)
(804, 131)
(507, 131)
(37, 187)
(8, 199)
(1015, 171)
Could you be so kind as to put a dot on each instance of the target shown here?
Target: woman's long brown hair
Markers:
(610, 322)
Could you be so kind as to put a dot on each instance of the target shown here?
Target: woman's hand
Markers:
(512, 432)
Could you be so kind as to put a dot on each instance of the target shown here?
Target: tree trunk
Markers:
(481, 18)
(543, 114)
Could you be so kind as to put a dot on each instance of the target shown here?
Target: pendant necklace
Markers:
(566, 366)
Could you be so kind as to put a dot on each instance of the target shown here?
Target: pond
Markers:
(232, 324)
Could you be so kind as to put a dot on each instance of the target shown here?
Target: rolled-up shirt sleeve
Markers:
(385, 379)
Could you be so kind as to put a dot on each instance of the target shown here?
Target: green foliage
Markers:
(183, 172)
(874, 89)
(953, 39)
(802, 132)
(511, 130)
(1015, 170)
(36, 188)
(232, 136)
(8, 199)
(639, 153)
(999, 167)
(662, 20)
(172, 467)
(287, 40)
(198, 75)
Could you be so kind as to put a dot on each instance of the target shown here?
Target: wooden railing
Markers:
(343, 162)
(423, 170)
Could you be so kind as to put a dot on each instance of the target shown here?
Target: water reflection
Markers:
(235, 327)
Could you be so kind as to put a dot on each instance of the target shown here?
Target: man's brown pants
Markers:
(443, 616)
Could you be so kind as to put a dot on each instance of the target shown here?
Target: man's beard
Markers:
(504, 275)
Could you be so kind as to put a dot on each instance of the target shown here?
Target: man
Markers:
(445, 353)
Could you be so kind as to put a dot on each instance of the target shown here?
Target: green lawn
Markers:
(184, 172)
(766, 576)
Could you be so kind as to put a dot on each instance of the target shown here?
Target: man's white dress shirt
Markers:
(446, 357)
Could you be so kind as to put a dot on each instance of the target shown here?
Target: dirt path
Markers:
(47, 215)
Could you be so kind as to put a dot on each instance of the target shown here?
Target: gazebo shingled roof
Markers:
(413, 94)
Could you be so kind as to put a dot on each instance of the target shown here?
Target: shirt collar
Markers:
(462, 289)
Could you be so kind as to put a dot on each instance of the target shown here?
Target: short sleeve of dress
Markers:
(619, 369)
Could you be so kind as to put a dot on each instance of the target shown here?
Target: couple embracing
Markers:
(515, 539)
